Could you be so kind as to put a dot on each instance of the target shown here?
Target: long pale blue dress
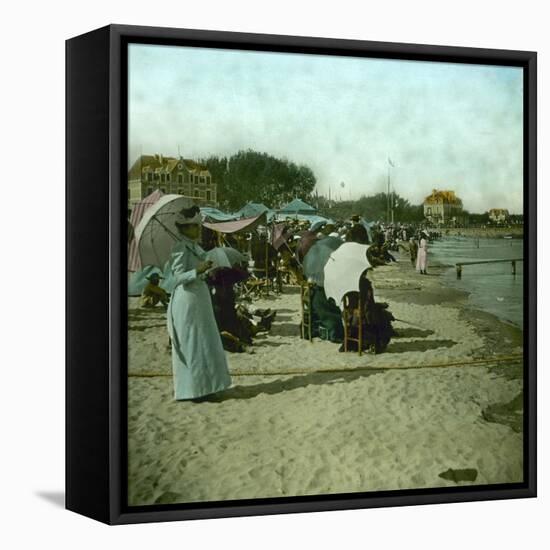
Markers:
(199, 364)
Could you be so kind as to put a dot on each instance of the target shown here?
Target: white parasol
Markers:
(157, 233)
(344, 269)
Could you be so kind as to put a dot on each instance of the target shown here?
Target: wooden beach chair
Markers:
(307, 322)
(347, 317)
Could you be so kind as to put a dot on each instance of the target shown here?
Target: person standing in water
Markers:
(422, 255)
(199, 364)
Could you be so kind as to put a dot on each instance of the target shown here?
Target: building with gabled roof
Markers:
(172, 176)
(442, 207)
(498, 215)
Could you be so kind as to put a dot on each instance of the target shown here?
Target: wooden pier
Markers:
(460, 264)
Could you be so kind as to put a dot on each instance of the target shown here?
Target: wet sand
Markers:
(305, 419)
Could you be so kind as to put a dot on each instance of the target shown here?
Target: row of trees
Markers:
(259, 177)
(373, 208)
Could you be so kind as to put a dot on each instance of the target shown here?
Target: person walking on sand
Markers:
(199, 365)
(422, 255)
(413, 251)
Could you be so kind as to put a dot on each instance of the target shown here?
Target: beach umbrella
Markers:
(157, 233)
(307, 240)
(344, 269)
(317, 257)
(279, 235)
(316, 225)
(225, 256)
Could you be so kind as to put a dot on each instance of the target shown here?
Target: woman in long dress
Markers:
(199, 364)
(422, 256)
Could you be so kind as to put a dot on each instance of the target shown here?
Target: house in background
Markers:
(498, 215)
(443, 208)
(172, 176)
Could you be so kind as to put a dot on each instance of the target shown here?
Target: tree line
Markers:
(373, 208)
(259, 177)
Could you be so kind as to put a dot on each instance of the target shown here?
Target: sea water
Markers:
(491, 287)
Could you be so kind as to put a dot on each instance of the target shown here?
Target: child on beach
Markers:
(152, 294)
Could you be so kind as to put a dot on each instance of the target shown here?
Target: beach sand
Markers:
(368, 423)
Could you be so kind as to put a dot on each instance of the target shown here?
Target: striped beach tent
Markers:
(134, 262)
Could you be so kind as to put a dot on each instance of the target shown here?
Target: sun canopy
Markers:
(297, 206)
(213, 215)
(237, 226)
(252, 209)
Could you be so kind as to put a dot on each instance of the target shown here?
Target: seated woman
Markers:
(326, 317)
(373, 317)
(236, 333)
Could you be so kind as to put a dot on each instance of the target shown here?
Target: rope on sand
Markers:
(489, 360)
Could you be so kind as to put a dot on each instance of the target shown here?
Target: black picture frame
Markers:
(96, 172)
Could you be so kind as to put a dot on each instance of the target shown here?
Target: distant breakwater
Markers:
(485, 232)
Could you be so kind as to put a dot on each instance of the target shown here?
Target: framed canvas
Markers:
(301, 274)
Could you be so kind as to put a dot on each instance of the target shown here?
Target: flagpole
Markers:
(388, 196)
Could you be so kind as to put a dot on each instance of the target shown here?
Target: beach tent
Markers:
(210, 214)
(297, 206)
(134, 261)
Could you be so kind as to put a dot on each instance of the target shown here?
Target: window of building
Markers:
(208, 195)
(149, 190)
(163, 189)
(197, 179)
(196, 193)
(180, 178)
(202, 179)
(163, 178)
(167, 177)
(207, 180)
(156, 177)
(180, 190)
(150, 176)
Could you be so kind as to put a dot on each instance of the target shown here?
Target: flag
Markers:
(390, 162)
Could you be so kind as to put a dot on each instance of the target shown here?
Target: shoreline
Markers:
(485, 232)
(343, 423)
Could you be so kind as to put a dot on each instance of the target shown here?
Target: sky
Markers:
(444, 125)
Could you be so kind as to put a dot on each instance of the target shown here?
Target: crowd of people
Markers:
(210, 309)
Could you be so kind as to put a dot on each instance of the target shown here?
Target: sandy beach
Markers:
(304, 419)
